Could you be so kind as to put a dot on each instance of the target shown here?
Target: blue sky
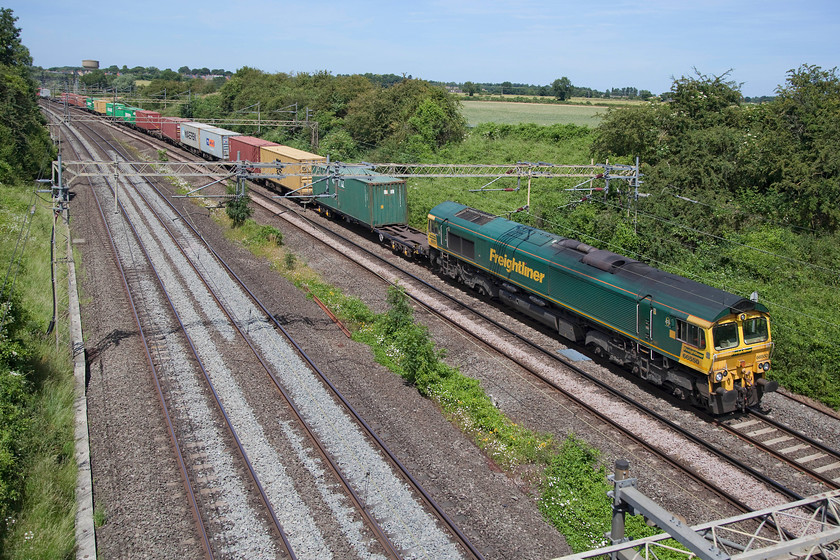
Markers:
(639, 43)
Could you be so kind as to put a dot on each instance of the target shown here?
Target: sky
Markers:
(644, 44)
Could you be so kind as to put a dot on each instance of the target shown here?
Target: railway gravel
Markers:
(390, 500)
(493, 510)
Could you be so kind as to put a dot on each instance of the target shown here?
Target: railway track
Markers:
(191, 446)
(805, 454)
(456, 307)
(418, 544)
(779, 487)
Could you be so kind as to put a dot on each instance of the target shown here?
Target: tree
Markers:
(562, 88)
(506, 87)
(169, 74)
(409, 108)
(693, 146)
(26, 149)
(124, 82)
(184, 70)
(470, 88)
(95, 79)
(12, 51)
(794, 157)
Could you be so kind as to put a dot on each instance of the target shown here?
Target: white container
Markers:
(190, 134)
(215, 141)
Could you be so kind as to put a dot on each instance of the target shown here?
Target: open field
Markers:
(477, 112)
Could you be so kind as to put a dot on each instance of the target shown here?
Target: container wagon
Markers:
(170, 127)
(147, 120)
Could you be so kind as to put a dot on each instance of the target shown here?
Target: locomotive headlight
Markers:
(719, 376)
(765, 366)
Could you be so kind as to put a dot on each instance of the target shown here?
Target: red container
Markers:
(171, 127)
(247, 148)
(149, 120)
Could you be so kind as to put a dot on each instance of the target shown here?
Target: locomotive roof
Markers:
(623, 273)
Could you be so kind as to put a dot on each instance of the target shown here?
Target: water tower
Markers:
(90, 65)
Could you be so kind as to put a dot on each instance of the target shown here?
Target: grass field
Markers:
(477, 112)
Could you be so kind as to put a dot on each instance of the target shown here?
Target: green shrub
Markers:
(269, 234)
(239, 210)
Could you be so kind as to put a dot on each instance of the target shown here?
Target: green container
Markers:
(130, 114)
(115, 110)
(365, 196)
(89, 103)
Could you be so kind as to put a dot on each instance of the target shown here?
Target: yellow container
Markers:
(99, 105)
(285, 154)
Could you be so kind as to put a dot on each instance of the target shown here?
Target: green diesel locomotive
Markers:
(698, 342)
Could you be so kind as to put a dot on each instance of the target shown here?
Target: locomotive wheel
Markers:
(381, 238)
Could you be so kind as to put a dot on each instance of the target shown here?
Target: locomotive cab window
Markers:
(434, 228)
(690, 334)
(458, 244)
(755, 330)
(726, 336)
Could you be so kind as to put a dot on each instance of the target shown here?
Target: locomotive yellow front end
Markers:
(740, 360)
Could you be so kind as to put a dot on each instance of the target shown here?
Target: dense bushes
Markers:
(530, 131)
(37, 471)
(14, 398)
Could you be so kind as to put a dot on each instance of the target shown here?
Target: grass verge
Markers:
(37, 466)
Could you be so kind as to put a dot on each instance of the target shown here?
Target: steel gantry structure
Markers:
(240, 170)
(807, 528)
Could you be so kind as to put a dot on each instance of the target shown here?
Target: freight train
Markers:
(700, 343)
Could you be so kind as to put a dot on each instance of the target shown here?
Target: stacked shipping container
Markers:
(171, 127)
(247, 148)
(148, 120)
(301, 165)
